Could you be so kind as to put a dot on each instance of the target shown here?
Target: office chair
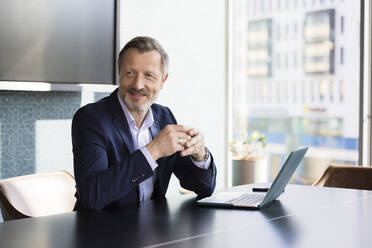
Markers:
(352, 177)
(37, 195)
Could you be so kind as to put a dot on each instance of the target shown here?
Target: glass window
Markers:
(308, 99)
(323, 90)
(294, 59)
(286, 60)
(270, 4)
(294, 93)
(341, 90)
(295, 30)
(313, 91)
(331, 91)
(286, 31)
(303, 91)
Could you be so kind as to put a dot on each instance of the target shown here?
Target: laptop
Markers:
(259, 197)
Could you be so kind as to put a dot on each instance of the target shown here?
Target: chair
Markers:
(352, 177)
(37, 195)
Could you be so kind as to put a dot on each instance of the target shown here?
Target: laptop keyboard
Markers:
(248, 199)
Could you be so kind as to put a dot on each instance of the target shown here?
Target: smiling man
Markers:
(126, 147)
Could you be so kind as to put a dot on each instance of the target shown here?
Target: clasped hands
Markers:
(174, 138)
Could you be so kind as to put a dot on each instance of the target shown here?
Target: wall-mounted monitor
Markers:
(58, 41)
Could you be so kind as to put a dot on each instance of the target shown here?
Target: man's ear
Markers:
(164, 79)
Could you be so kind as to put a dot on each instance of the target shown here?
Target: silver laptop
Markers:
(259, 197)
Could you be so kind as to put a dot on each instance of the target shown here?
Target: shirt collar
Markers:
(147, 122)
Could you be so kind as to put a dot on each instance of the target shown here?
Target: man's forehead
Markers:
(133, 54)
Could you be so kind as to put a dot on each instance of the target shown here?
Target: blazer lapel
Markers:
(155, 130)
(122, 126)
(120, 122)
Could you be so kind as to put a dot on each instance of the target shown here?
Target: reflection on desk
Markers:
(304, 216)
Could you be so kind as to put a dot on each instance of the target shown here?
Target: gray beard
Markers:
(140, 109)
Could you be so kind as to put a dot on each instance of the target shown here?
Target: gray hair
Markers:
(145, 44)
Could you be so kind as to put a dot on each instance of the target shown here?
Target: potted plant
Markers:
(249, 162)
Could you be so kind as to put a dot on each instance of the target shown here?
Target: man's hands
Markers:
(195, 146)
(167, 142)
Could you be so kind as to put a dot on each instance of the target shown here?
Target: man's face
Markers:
(141, 78)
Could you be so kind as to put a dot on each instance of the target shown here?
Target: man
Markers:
(126, 147)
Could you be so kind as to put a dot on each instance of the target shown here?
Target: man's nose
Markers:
(138, 82)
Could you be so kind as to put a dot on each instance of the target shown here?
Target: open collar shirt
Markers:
(141, 137)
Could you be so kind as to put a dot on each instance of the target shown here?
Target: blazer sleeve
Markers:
(100, 181)
(191, 177)
(201, 181)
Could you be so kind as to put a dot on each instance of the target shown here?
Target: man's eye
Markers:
(148, 75)
(130, 73)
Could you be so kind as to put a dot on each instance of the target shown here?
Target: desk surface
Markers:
(304, 216)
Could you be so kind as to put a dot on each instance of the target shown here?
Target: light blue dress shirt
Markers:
(141, 137)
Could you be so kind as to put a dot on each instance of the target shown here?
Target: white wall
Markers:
(193, 34)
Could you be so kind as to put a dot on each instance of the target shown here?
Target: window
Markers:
(294, 93)
(270, 4)
(294, 59)
(308, 99)
(341, 90)
(277, 92)
(303, 91)
(331, 91)
(313, 91)
(286, 31)
(319, 42)
(323, 90)
(286, 89)
(269, 92)
(295, 30)
(286, 60)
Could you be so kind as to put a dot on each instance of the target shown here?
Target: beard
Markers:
(133, 107)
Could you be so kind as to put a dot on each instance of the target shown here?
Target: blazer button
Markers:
(134, 179)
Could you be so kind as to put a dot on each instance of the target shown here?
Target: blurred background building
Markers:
(296, 79)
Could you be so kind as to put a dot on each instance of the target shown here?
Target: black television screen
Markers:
(58, 41)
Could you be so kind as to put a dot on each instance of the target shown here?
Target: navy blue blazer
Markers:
(107, 168)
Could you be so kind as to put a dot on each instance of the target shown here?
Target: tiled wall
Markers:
(35, 133)
(19, 113)
(35, 130)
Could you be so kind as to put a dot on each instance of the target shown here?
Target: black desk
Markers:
(304, 217)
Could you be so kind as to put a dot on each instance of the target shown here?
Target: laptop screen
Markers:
(285, 173)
